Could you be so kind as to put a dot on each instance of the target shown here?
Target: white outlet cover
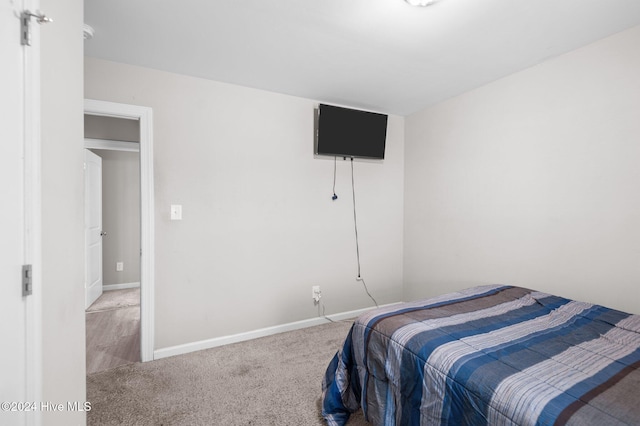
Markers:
(119, 266)
(315, 292)
(176, 212)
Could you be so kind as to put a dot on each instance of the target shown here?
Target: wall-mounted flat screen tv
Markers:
(345, 132)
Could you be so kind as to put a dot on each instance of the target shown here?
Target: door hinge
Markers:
(27, 280)
(25, 23)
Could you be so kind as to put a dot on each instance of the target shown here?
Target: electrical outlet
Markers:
(176, 212)
(315, 293)
(119, 266)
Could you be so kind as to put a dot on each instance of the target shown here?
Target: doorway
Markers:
(143, 117)
(112, 230)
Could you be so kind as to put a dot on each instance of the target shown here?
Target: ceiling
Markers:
(379, 55)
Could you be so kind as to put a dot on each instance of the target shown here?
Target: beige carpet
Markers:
(274, 380)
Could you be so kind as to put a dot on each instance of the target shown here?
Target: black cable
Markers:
(335, 164)
(348, 320)
(355, 227)
(367, 290)
(325, 315)
(355, 217)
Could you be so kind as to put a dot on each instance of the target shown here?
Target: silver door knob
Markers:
(103, 233)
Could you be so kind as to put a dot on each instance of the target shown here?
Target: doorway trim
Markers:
(33, 214)
(147, 229)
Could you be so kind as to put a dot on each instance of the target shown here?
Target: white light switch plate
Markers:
(176, 212)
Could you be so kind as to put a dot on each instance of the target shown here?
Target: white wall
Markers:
(259, 225)
(532, 180)
(120, 215)
(63, 340)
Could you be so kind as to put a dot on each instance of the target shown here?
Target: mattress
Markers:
(488, 355)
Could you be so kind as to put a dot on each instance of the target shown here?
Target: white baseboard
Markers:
(109, 287)
(262, 332)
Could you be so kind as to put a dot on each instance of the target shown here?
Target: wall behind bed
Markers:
(532, 180)
(259, 227)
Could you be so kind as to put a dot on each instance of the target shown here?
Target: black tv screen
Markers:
(348, 132)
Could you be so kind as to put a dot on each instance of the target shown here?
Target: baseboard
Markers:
(262, 332)
(109, 287)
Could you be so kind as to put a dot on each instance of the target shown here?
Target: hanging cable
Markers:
(355, 227)
(335, 165)
(355, 217)
(367, 291)
(325, 315)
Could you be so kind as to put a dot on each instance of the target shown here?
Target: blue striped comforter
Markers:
(489, 355)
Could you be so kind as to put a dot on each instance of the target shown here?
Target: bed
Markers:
(488, 355)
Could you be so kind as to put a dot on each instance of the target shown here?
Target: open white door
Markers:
(18, 228)
(93, 226)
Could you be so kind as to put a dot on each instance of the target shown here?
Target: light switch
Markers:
(176, 212)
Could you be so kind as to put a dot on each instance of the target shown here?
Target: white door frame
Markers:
(30, 249)
(33, 214)
(147, 230)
